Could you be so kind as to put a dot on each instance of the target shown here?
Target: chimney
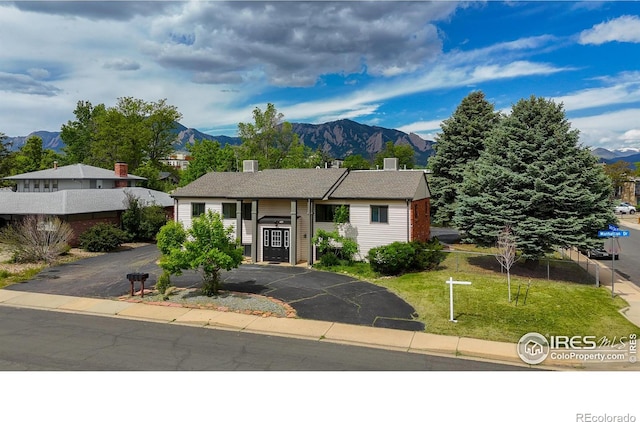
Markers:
(250, 166)
(122, 171)
(390, 164)
(55, 165)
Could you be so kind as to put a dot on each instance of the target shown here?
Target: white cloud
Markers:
(421, 127)
(622, 29)
(612, 130)
(623, 89)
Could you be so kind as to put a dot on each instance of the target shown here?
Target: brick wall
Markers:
(420, 219)
(80, 226)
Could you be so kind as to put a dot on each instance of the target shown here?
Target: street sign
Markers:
(613, 228)
(613, 233)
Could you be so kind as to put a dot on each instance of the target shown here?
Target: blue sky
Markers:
(403, 65)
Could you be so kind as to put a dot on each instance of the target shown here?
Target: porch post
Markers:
(254, 231)
(293, 236)
(310, 210)
(239, 221)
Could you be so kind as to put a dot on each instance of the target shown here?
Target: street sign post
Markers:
(613, 232)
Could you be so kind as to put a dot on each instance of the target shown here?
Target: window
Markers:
(36, 185)
(326, 212)
(26, 186)
(197, 209)
(379, 214)
(46, 186)
(246, 211)
(54, 185)
(229, 210)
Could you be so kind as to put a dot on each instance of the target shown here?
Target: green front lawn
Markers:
(483, 310)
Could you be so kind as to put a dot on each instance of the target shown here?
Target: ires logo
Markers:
(575, 342)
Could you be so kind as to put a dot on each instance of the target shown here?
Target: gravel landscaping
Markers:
(226, 302)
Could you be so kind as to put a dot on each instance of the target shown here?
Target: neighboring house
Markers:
(78, 194)
(75, 176)
(631, 191)
(177, 161)
(275, 213)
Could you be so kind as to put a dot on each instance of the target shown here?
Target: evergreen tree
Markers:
(534, 177)
(461, 141)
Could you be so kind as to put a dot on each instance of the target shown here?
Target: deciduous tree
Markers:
(207, 247)
(271, 141)
(404, 153)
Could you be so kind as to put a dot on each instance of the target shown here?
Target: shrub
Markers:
(140, 220)
(153, 218)
(332, 243)
(391, 259)
(163, 283)
(329, 259)
(428, 255)
(102, 237)
(400, 257)
(37, 238)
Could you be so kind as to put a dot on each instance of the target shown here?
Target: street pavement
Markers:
(26, 295)
(316, 295)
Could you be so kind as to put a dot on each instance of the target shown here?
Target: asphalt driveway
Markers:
(313, 294)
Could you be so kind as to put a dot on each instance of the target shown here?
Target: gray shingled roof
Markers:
(381, 184)
(76, 201)
(73, 171)
(308, 183)
(285, 183)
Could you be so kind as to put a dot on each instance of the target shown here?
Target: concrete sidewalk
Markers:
(399, 340)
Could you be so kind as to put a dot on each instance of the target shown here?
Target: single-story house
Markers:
(78, 194)
(276, 213)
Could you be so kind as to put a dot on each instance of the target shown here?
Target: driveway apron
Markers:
(313, 294)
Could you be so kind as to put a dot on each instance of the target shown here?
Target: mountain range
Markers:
(339, 139)
(629, 155)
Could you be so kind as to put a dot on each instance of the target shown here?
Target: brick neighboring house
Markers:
(79, 194)
(276, 213)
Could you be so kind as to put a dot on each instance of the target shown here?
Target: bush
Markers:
(102, 237)
(392, 259)
(37, 238)
(163, 283)
(400, 257)
(329, 259)
(153, 218)
(428, 255)
(141, 221)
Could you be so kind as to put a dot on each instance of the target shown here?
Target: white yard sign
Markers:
(451, 282)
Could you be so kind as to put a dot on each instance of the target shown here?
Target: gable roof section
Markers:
(309, 183)
(77, 201)
(266, 184)
(381, 184)
(73, 171)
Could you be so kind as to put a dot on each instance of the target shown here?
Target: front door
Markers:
(275, 245)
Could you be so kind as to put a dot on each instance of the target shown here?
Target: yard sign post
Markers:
(451, 282)
(613, 232)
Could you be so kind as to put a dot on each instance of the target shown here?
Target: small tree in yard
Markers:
(37, 238)
(506, 255)
(207, 247)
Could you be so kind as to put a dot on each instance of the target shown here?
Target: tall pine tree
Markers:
(534, 177)
(461, 141)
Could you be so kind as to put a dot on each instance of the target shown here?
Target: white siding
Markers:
(368, 234)
(215, 205)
